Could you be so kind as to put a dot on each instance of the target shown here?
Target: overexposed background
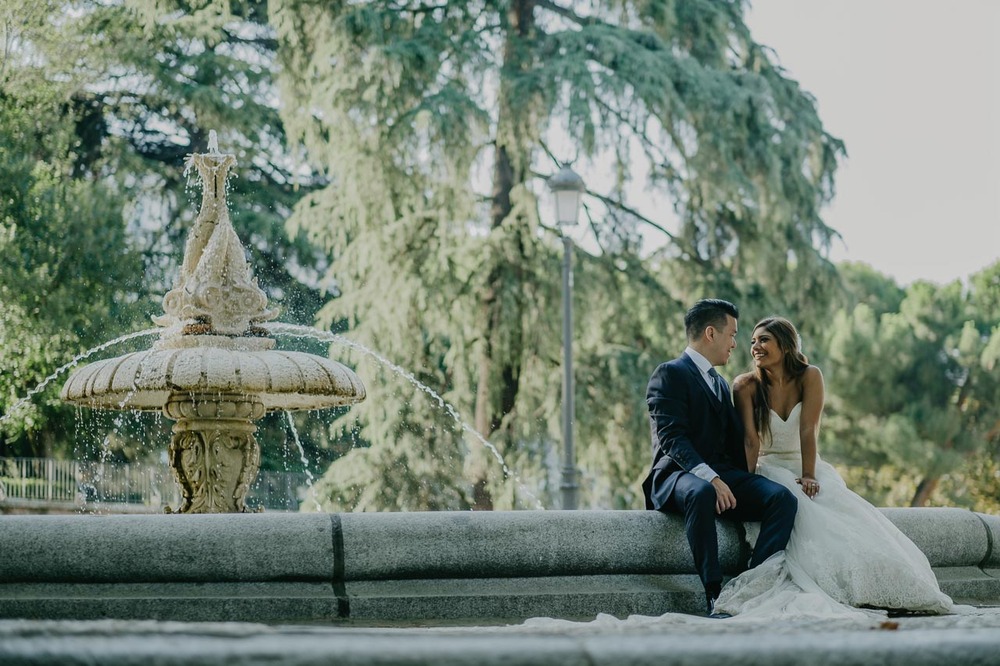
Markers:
(911, 86)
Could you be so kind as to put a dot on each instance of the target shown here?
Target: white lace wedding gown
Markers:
(843, 553)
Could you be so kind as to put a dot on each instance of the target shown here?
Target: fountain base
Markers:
(213, 453)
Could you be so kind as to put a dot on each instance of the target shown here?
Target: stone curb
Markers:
(211, 644)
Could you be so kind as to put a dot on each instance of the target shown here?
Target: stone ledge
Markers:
(166, 548)
(948, 537)
(419, 567)
(523, 543)
(500, 600)
(188, 602)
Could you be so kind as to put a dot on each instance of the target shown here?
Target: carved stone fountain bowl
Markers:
(210, 364)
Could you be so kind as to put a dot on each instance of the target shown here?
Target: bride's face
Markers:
(765, 350)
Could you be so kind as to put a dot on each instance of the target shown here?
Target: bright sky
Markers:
(913, 89)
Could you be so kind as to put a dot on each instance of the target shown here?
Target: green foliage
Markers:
(395, 197)
(113, 102)
(863, 284)
(65, 267)
(430, 121)
(917, 389)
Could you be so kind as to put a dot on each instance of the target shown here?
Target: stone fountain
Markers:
(214, 369)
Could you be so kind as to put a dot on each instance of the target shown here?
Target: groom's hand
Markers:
(724, 498)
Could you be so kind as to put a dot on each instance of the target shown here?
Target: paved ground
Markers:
(969, 638)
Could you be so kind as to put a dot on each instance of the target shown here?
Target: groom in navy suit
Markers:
(699, 466)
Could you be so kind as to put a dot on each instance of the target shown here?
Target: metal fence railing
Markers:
(27, 481)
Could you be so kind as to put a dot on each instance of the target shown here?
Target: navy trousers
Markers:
(757, 500)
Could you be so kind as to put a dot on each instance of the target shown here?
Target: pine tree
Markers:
(915, 390)
(431, 120)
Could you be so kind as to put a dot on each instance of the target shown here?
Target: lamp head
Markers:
(568, 188)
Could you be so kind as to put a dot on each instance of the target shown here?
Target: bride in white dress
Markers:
(843, 553)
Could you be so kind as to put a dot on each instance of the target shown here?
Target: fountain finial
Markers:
(215, 293)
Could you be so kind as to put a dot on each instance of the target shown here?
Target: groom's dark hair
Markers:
(708, 312)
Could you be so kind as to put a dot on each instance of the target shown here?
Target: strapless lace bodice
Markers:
(784, 442)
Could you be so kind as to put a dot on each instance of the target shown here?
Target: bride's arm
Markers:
(743, 390)
(813, 396)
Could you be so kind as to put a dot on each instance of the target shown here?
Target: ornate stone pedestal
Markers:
(213, 453)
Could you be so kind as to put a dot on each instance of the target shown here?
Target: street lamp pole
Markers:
(568, 487)
(568, 188)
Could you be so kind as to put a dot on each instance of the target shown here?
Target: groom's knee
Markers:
(704, 497)
(784, 504)
(699, 500)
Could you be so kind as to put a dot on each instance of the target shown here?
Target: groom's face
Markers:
(722, 341)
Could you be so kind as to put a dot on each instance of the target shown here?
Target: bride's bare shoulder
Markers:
(745, 382)
(812, 374)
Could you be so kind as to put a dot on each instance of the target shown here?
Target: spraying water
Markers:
(76, 360)
(296, 331)
(305, 460)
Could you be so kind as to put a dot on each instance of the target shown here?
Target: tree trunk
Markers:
(500, 365)
(924, 491)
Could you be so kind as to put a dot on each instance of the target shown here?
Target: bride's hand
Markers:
(809, 486)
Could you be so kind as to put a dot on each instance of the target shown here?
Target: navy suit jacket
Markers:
(689, 426)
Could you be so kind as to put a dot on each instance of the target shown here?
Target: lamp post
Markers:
(567, 187)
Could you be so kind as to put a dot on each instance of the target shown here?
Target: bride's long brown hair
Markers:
(794, 362)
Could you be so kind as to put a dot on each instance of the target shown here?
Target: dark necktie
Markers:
(716, 383)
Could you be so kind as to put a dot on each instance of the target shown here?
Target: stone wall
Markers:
(409, 568)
